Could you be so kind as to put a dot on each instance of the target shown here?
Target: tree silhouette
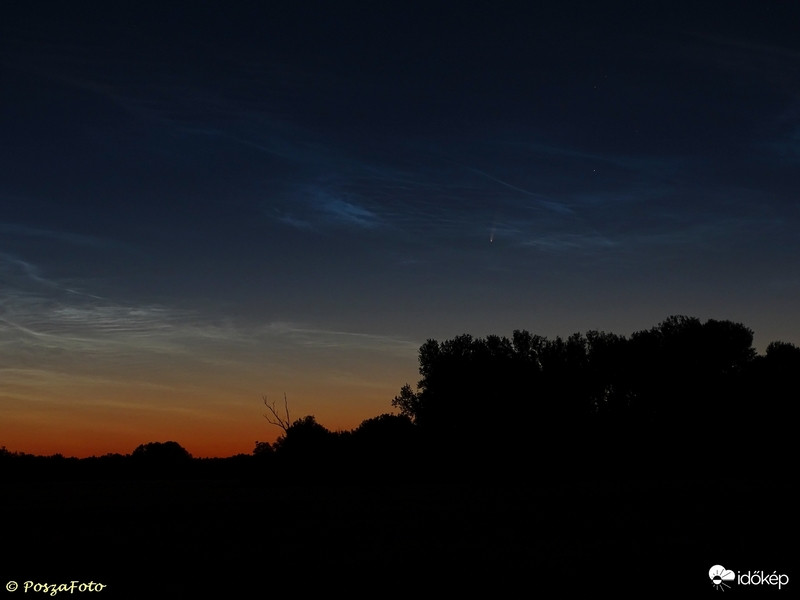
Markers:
(161, 459)
(162, 453)
(770, 423)
(382, 444)
(384, 428)
(263, 449)
(304, 438)
(688, 373)
(408, 402)
(681, 388)
(274, 417)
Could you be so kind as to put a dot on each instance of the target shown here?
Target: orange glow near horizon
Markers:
(179, 239)
(95, 391)
(207, 424)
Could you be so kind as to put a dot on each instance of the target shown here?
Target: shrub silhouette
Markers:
(304, 438)
(161, 459)
(263, 449)
(162, 453)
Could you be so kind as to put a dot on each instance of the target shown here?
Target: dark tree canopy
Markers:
(681, 387)
(162, 452)
(673, 396)
(304, 437)
(682, 397)
(384, 427)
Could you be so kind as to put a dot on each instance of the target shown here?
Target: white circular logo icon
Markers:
(719, 575)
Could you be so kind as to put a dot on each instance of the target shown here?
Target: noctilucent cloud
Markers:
(203, 203)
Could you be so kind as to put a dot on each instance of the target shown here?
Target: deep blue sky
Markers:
(203, 202)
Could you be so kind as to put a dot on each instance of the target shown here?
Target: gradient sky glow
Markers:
(205, 202)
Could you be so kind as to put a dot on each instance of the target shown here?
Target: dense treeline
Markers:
(669, 398)
(684, 397)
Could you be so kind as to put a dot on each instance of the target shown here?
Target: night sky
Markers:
(202, 203)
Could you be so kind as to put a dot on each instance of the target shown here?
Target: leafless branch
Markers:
(274, 418)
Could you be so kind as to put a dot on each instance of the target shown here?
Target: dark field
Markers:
(189, 538)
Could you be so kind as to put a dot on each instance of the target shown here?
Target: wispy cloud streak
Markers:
(85, 338)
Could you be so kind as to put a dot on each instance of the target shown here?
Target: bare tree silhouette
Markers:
(274, 418)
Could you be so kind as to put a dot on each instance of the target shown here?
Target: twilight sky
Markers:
(205, 202)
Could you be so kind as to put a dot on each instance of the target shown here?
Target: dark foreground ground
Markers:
(230, 538)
